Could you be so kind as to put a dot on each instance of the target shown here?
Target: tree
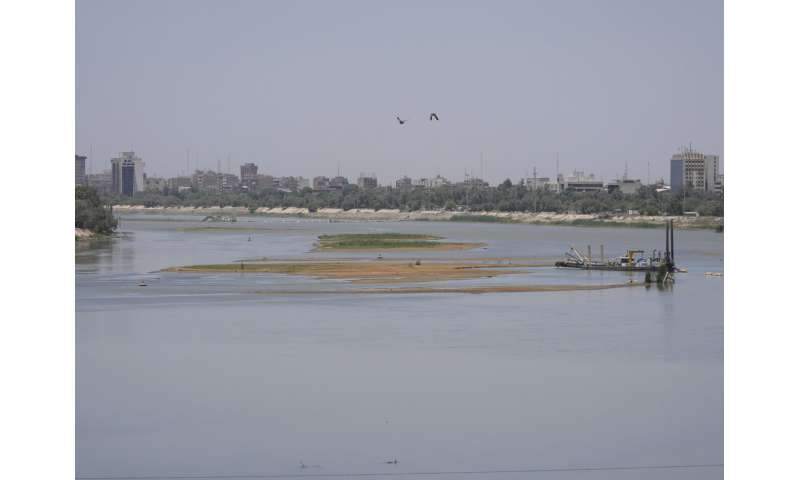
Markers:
(91, 214)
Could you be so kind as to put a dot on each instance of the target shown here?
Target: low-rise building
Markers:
(227, 182)
(321, 183)
(155, 184)
(474, 182)
(303, 182)
(100, 181)
(179, 184)
(291, 183)
(719, 185)
(367, 181)
(580, 182)
(626, 186)
(439, 181)
(404, 183)
(338, 183)
(205, 181)
(537, 183)
(266, 182)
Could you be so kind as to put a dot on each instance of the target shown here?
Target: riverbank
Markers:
(84, 234)
(540, 218)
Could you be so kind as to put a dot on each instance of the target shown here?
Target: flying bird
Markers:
(398, 119)
(434, 117)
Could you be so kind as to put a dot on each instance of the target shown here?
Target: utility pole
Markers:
(466, 186)
(558, 180)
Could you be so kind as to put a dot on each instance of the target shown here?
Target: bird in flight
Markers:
(434, 117)
(398, 119)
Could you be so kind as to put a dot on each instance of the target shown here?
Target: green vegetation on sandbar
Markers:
(380, 241)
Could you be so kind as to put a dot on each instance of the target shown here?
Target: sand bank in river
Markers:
(371, 271)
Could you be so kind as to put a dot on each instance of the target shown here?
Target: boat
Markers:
(633, 261)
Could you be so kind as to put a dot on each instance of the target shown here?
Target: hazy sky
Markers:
(299, 87)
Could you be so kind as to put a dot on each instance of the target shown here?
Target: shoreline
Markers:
(476, 290)
(540, 218)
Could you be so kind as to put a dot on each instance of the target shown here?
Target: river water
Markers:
(222, 374)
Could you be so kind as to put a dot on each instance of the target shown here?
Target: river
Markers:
(205, 374)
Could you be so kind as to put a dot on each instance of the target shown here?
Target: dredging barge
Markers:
(632, 261)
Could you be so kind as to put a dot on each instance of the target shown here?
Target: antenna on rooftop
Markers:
(558, 171)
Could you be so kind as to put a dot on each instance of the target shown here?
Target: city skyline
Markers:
(255, 90)
(248, 173)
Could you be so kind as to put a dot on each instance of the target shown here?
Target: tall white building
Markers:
(693, 170)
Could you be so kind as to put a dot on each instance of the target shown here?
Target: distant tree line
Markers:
(506, 197)
(91, 212)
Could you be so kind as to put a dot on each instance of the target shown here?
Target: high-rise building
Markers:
(693, 170)
(128, 179)
(127, 174)
(249, 176)
(80, 170)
